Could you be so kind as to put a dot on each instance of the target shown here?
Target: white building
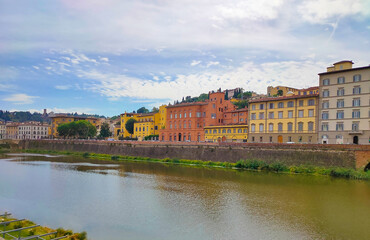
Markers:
(33, 131)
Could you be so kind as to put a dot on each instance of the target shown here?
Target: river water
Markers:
(136, 200)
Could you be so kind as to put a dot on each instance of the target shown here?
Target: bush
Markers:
(114, 158)
(278, 167)
(85, 154)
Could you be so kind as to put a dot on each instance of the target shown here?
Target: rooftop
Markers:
(283, 98)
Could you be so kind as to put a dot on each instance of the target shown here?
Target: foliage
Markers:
(202, 97)
(77, 129)
(155, 110)
(130, 125)
(241, 104)
(142, 110)
(18, 116)
(280, 92)
(245, 95)
(227, 95)
(115, 117)
(149, 137)
(104, 131)
(85, 154)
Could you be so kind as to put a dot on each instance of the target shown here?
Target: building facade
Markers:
(226, 133)
(33, 131)
(2, 130)
(344, 104)
(284, 119)
(11, 131)
(186, 121)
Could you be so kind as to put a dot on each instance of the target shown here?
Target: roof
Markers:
(310, 88)
(343, 61)
(284, 98)
(344, 70)
(187, 104)
(238, 110)
(229, 125)
(71, 116)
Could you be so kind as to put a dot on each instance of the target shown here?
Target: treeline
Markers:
(77, 129)
(23, 117)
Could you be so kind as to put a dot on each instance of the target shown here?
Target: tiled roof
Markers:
(283, 98)
(187, 104)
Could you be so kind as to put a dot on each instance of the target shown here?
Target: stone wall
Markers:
(317, 155)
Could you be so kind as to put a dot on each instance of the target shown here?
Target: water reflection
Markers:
(134, 200)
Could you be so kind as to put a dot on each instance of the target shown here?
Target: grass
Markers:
(37, 231)
(249, 164)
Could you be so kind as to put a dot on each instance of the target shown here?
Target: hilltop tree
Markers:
(142, 110)
(227, 95)
(155, 110)
(130, 125)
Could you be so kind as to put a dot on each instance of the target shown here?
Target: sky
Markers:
(110, 56)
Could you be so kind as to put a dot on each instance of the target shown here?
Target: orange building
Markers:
(186, 121)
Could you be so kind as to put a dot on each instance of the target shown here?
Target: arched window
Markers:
(253, 127)
(300, 126)
(290, 127)
(261, 127)
(271, 127)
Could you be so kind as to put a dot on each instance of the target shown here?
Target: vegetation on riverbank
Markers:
(60, 232)
(250, 164)
(4, 148)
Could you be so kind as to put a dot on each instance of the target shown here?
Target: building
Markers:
(33, 131)
(11, 131)
(146, 123)
(226, 133)
(284, 119)
(57, 119)
(2, 130)
(288, 91)
(344, 104)
(186, 121)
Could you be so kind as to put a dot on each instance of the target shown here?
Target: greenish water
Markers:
(135, 200)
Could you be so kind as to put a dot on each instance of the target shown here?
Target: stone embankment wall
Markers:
(349, 156)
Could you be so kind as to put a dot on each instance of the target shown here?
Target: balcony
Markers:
(356, 132)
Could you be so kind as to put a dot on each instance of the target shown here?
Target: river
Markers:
(138, 200)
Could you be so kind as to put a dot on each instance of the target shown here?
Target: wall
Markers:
(317, 155)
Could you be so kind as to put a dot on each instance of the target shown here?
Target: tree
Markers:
(142, 110)
(130, 125)
(241, 104)
(227, 95)
(280, 92)
(78, 129)
(104, 131)
(155, 110)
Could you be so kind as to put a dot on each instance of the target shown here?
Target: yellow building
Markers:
(226, 133)
(273, 91)
(339, 66)
(147, 123)
(284, 119)
(58, 119)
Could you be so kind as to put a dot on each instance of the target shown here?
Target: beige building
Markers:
(33, 131)
(2, 130)
(344, 104)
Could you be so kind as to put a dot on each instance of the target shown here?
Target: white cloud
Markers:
(195, 62)
(63, 87)
(36, 67)
(249, 76)
(104, 59)
(211, 63)
(156, 78)
(20, 98)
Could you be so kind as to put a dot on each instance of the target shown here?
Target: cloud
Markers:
(104, 59)
(195, 62)
(58, 110)
(211, 63)
(20, 98)
(63, 87)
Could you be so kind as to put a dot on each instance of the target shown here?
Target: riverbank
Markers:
(10, 225)
(248, 164)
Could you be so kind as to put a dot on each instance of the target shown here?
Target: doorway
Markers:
(179, 137)
(280, 139)
(355, 140)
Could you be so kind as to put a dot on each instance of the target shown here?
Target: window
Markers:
(253, 116)
(261, 127)
(280, 127)
(261, 139)
(325, 115)
(280, 105)
(357, 78)
(213, 115)
(261, 116)
(340, 103)
(300, 113)
(290, 114)
(357, 90)
(241, 120)
(171, 115)
(311, 102)
(340, 92)
(339, 126)
(356, 113)
(240, 130)
(290, 104)
(310, 126)
(184, 114)
(199, 114)
(253, 107)
(271, 106)
(180, 115)
(175, 115)
(189, 124)
(244, 130)
(290, 127)
(223, 130)
(280, 114)
(355, 126)
(341, 80)
(325, 93)
(325, 82)
(206, 131)
(300, 127)
(301, 102)
(214, 131)
(271, 127)
(228, 130)
(253, 128)
(262, 106)
(271, 115)
(325, 127)
(356, 102)
(325, 104)
(189, 116)
(214, 105)
(184, 124)
(340, 114)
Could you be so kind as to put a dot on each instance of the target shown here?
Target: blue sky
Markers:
(111, 56)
